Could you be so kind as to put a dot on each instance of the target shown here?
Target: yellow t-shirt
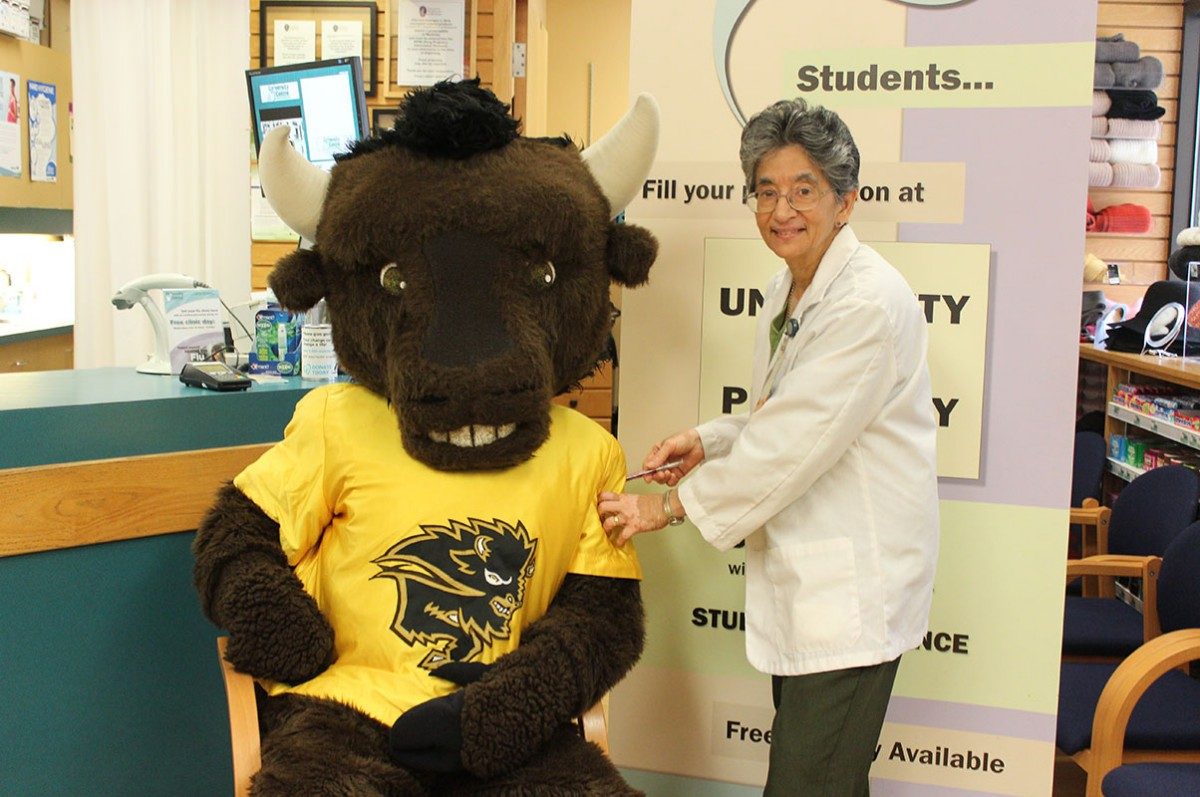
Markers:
(415, 567)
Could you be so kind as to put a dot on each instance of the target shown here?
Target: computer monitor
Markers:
(321, 101)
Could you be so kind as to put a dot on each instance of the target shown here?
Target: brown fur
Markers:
(471, 236)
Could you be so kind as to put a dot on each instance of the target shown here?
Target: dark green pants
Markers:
(825, 731)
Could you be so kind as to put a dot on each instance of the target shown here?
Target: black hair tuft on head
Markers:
(450, 119)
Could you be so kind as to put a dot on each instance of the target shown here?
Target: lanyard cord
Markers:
(770, 381)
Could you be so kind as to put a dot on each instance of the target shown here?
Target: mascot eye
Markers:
(494, 578)
(392, 280)
(544, 274)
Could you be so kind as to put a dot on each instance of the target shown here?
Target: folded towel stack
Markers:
(1140, 129)
(1133, 104)
(1122, 150)
(1121, 65)
(1124, 175)
(1125, 218)
(1144, 73)
(1113, 49)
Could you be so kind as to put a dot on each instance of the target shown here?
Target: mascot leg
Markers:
(567, 766)
(315, 746)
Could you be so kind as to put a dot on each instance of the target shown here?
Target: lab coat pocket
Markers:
(815, 588)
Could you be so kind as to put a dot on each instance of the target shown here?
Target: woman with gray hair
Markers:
(831, 479)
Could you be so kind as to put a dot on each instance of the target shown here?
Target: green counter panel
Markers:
(50, 417)
(109, 680)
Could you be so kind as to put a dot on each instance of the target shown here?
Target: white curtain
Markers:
(161, 159)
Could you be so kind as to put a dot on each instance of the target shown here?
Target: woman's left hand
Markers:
(625, 514)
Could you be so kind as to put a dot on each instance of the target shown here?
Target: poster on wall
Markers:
(956, 108)
(950, 285)
(10, 127)
(430, 41)
(43, 132)
(341, 39)
(295, 41)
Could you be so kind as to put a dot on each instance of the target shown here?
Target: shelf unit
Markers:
(1122, 368)
(1157, 27)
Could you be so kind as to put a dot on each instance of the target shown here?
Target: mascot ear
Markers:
(297, 280)
(631, 252)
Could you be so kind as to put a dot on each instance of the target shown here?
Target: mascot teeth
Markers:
(474, 435)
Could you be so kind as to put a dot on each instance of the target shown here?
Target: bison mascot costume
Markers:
(417, 573)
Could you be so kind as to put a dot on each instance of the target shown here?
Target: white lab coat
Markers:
(832, 483)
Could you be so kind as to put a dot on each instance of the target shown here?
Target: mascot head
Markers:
(466, 268)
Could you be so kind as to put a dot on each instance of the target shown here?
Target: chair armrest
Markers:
(243, 722)
(1096, 518)
(593, 724)
(1126, 686)
(1114, 565)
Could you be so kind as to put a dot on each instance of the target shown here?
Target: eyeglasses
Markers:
(800, 198)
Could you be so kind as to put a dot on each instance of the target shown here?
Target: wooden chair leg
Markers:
(243, 723)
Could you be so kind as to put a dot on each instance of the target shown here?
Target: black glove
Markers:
(462, 672)
(429, 735)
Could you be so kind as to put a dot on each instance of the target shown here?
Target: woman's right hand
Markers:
(684, 446)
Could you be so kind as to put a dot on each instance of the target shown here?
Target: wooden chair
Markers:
(1126, 686)
(1100, 722)
(1093, 521)
(1145, 519)
(244, 735)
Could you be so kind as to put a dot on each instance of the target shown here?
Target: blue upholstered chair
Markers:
(1144, 708)
(1146, 517)
(1139, 780)
(1087, 471)
(1087, 468)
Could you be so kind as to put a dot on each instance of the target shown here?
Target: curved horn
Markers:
(621, 159)
(293, 186)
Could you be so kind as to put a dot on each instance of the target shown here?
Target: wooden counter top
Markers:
(107, 454)
(1169, 369)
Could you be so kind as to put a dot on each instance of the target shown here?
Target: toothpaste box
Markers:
(276, 342)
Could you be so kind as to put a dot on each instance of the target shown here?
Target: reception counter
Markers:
(108, 671)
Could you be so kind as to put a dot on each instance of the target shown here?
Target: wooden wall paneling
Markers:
(1158, 202)
(491, 30)
(49, 353)
(1157, 27)
(1131, 247)
(263, 256)
(31, 61)
(1143, 15)
(1160, 227)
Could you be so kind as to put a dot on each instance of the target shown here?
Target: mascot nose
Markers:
(467, 326)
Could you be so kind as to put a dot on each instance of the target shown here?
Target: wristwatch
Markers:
(672, 518)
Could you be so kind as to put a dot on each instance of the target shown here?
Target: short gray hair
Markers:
(820, 131)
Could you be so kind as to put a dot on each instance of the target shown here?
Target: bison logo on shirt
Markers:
(459, 586)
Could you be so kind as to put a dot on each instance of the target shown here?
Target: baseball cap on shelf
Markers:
(1130, 335)
(1178, 261)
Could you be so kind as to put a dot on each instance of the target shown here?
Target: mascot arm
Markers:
(590, 637)
(275, 629)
